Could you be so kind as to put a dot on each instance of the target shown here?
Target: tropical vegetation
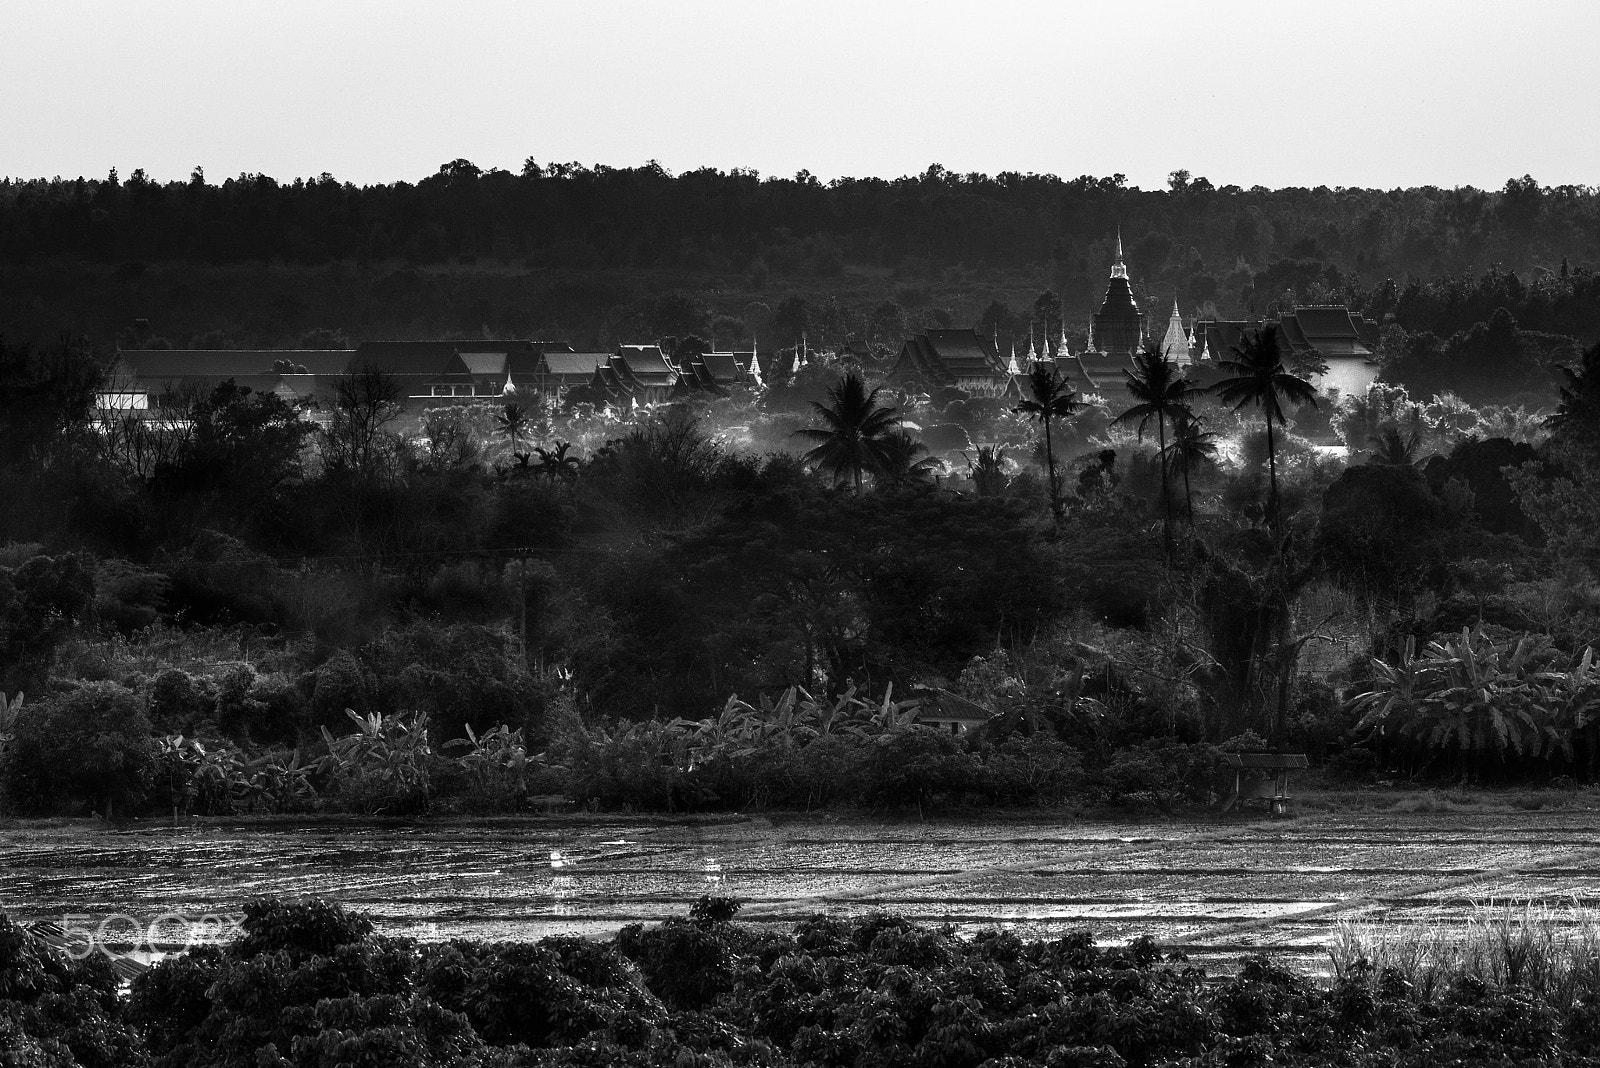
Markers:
(310, 983)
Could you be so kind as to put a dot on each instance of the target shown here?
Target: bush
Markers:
(1356, 766)
(920, 766)
(1036, 770)
(1164, 774)
(179, 702)
(57, 1013)
(93, 745)
(340, 683)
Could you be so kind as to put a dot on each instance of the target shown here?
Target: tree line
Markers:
(587, 250)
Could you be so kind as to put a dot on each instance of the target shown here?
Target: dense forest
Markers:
(600, 255)
(747, 599)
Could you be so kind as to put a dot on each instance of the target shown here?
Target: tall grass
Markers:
(1553, 953)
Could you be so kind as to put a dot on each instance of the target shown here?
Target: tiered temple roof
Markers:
(1117, 329)
(960, 359)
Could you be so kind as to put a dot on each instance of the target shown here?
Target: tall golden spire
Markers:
(1119, 269)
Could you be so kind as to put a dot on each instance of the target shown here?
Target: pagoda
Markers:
(1117, 329)
(1175, 345)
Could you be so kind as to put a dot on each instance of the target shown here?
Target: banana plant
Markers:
(282, 781)
(390, 752)
(1471, 695)
(499, 753)
(210, 779)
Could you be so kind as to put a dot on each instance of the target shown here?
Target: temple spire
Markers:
(1119, 269)
(1176, 346)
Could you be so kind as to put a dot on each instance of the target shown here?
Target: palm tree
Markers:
(988, 470)
(558, 464)
(1161, 391)
(1051, 397)
(1578, 414)
(513, 425)
(852, 440)
(905, 459)
(1260, 378)
(1391, 448)
(1192, 446)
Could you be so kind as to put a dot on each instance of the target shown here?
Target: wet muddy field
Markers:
(1217, 888)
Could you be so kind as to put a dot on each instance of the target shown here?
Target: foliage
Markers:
(1259, 378)
(40, 600)
(1050, 398)
(92, 745)
(383, 766)
(1478, 700)
(855, 438)
(60, 1013)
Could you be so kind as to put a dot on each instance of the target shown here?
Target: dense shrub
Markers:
(94, 745)
(1162, 773)
(311, 984)
(58, 1013)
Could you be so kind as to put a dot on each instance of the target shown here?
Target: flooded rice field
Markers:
(1217, 889)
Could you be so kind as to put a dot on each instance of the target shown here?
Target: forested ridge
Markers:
(591, 254)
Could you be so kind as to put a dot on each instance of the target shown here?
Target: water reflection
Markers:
(563, 886)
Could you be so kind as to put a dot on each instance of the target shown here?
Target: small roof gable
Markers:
(1332, 322)
(1290, 325)
(723, 367)
(1221, 336)
(1369, 331)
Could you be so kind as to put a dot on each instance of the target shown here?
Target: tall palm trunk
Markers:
(1273, 518)
(1050, 464)
(1166, 493)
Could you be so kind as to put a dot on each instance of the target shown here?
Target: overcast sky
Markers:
(1397, 93)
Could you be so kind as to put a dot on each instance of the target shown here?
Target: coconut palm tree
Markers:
(514, 425)
(1161, 392)
(558, 464)
(987, 470)
(1392, 448)
(1050, 397)
(1578, 414)
(852, 441)
(1192, 446)
(1261, 378)
(905, 459)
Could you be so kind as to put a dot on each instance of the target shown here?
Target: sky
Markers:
(1398, 93)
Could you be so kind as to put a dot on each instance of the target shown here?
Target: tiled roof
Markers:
(645, 363)
(568, 364)
(723, 367)
(1321, 323)
(965, 353)
(1290, 324)
(405, 357)
(1221, 335)
(484, 363)
(227, 363)
(1369, 331)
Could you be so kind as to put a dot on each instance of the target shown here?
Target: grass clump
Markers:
(1551, 953)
